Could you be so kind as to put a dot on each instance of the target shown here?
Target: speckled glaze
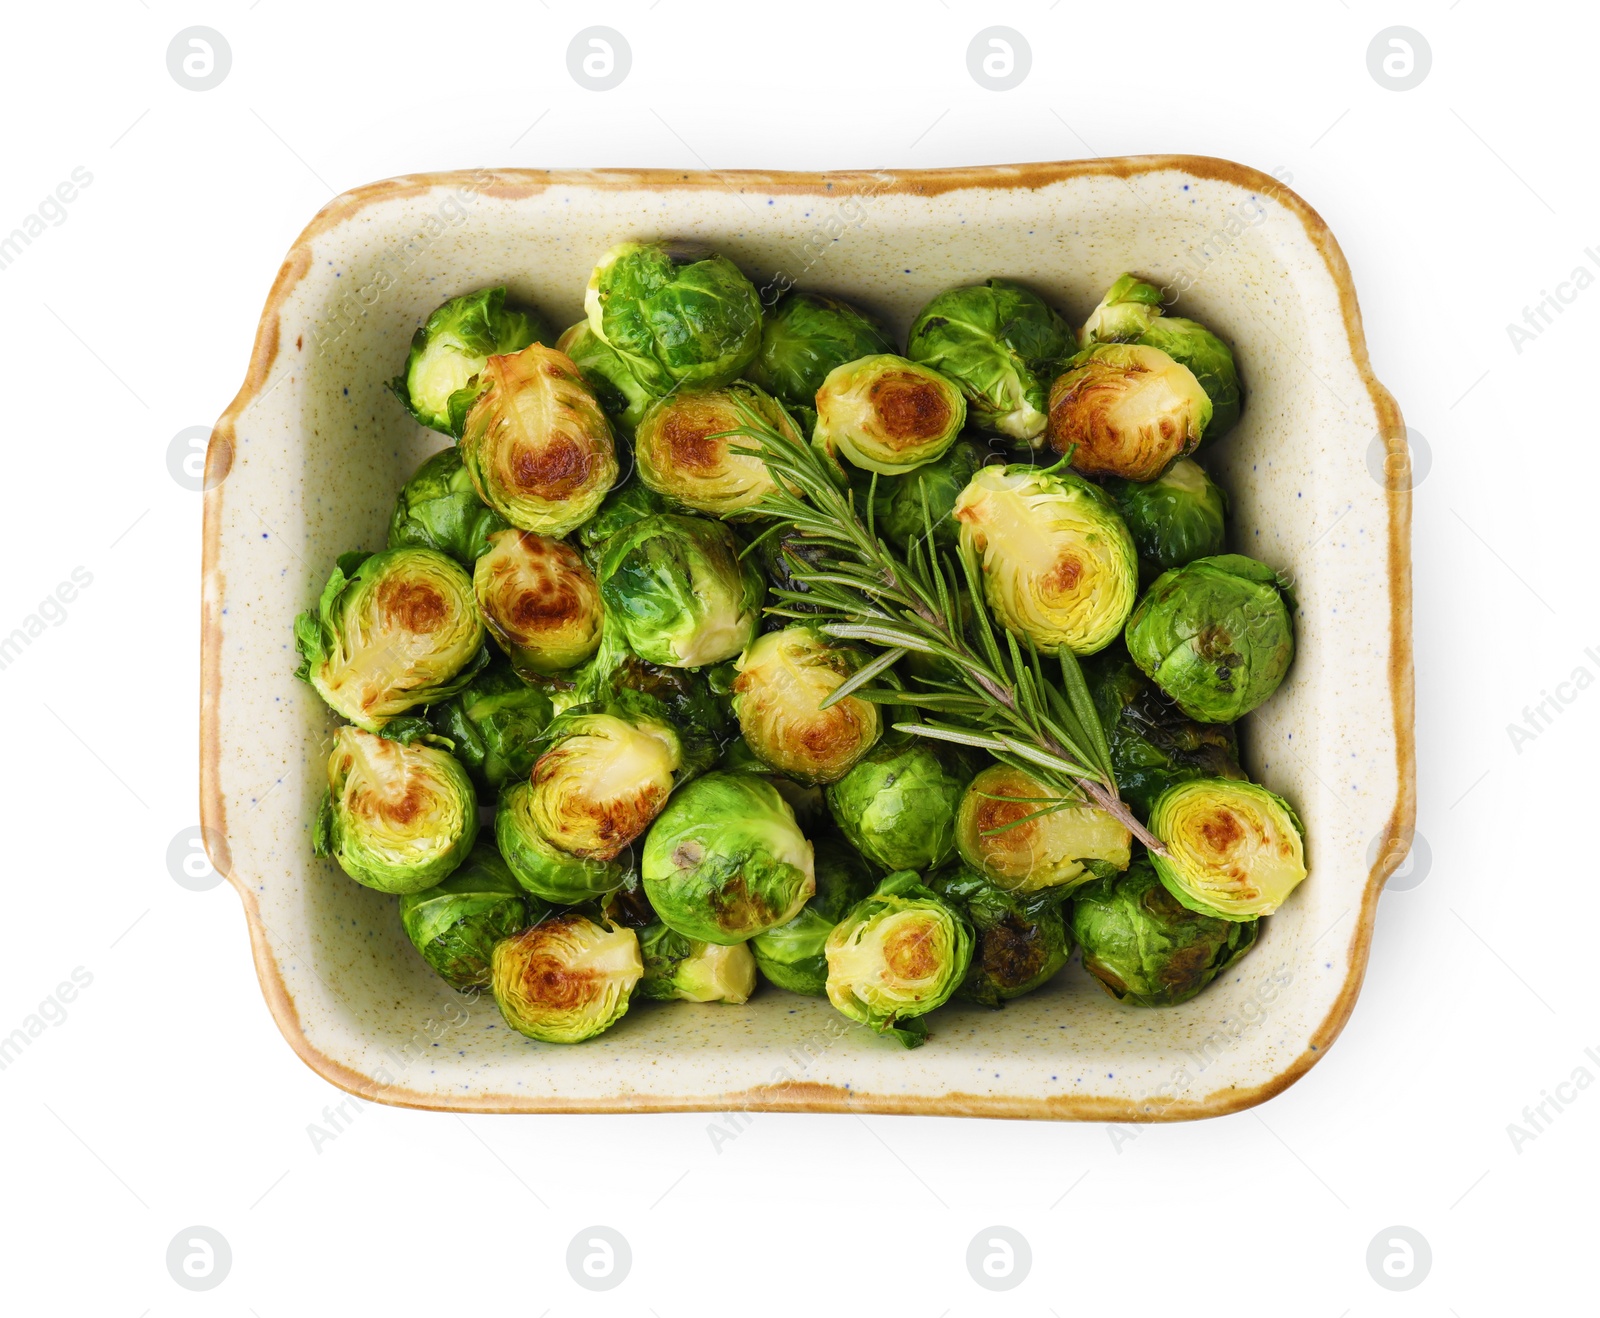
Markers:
(305, 464)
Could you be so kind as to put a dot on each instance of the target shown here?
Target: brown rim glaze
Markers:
(805, 1096)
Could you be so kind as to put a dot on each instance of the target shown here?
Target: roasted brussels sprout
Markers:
(541, 867)
(450, 349)
(1129, 307)
(898, 805)
(1020, 939)
(1059, 566)
(540, 603)
(397, 818)
(679, 591)
(679, 697)
(1215, 635)
(1209, 360)
(1144, 947)
(887, 414)
(1152, 744)
(456, 924)
(997, 341)
(438, 508)
(1234, 850)
(895, 956)
(791, 956)
(683, 443)
(493, 725)
(675, 318)
(1010, 831)
(805, 336)
(1176, 518)
(783, 679)
(618, 391)
(393, 630)
(537, 444)
(624, 506)
(726, 860)
(1126, 410)
(928, 495)
(677, 967)
(565, 979)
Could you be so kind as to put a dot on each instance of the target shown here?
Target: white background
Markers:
(166, 1097)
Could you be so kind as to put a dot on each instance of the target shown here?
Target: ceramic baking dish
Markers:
(305, 463)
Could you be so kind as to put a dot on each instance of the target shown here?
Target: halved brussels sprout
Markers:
(1129, 307)
(1209, 359)
(783, 677)
(392, 630)
(675, 318)
(895, 956)
(887, 414)
(682, 448)
(679, 591)
(1152, 744)
(792, 956)
(1145, 948)
(439, 508)
(397, 818)
(455, 924)
(538, 865)
(1234, 850)
(726, 860)
(537, 444)
(566, 979)
(540, 603)
(804, 337)
(1176, 518)
(1059, 566)
(494, 725)
(605, 777)
(997, 341)
(1126, 410)
(438, 384)
(1020, 940)
(1215, 635)
(898, 805)
(1007, 830)
(624, 506)
(676, 967)
(900, 515)
(619, 391)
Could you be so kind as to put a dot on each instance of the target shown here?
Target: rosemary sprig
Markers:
(859, 589)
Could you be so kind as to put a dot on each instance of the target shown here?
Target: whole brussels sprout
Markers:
(397, 818)
(928, 494)
(1059, 566)
(679, 591)
(1020, 940)
(673, 319)
(1215, 635)
(1152, 744)
(898, 805)
(895, 956)
(726, 861)
(456, 924)
(783, 679)
(1209, 360)
(1129, 307)
(1176, 518)
(566, 979)
(494, 725)
(392, 630)
(777, 552)
(1145, 948)
(541, 867)
(792, 956)
(438, 508)
(887, 414)
(619, 392)
(1007, 830)
(623, 507)
(537, 444)
(997, 341)
(683, 969)
(683, 444)
(1234, 850)
(679, 697)
(539, 602)
(447, 353)
(1126, 410)
(805, 336)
